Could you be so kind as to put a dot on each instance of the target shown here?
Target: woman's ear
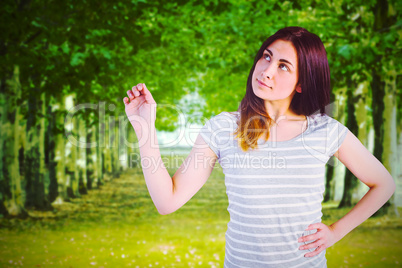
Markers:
(298, 89)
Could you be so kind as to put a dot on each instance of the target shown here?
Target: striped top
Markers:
(274, 191)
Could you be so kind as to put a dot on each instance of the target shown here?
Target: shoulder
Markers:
(323, 121)
(329, 130)
(225, 119)
(227, 115)
(217, 131)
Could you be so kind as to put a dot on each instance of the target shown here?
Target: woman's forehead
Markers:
(283, 50)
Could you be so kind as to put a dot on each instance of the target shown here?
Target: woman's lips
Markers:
(262, 84)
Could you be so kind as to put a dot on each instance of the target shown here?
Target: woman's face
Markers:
(276, 74)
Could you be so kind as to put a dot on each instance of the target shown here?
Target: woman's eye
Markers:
(267, 57)
(284, 67)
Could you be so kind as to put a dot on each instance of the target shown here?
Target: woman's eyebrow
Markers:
(281, 60)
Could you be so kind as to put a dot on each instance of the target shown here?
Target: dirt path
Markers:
(118, 197)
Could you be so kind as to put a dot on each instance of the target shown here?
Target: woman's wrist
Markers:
(146, 135)
(337, 231)
(141, 126)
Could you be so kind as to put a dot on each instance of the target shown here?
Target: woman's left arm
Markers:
(371, 172)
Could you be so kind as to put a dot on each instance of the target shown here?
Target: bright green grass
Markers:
(118, 226)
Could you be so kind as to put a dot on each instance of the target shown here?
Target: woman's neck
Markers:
(281, 112)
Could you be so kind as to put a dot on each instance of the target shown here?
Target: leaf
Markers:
(65, 47)
(345, 51)
(77, 59)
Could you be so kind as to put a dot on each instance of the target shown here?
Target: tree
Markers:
(10, 123)
(384, 87)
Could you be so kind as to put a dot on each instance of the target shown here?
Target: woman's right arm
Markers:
(167, 193)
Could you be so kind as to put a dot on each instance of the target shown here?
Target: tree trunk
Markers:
(329, 186)
(43, 183)
(82, 156)
(59, 157)
(390, 143)
(336, 110)
(50, 152)
(133, 154)
(351, 123)
(123, 153)
(361, 94)
(14, 200)
(107, 152)
(101, 136)
(91, 154)
(4, 189)
(114, 144)
(71, 151)
(32, 149)
(398, 178)
(362, 119)
(34, 153)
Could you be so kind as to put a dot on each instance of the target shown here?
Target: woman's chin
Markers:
(260, 94)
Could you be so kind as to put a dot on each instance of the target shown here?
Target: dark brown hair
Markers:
(314, 80)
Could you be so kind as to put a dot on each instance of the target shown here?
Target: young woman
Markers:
(273, 152)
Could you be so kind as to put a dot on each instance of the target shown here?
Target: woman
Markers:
(273, 152)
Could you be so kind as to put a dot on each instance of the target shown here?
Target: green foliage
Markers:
(168, 45)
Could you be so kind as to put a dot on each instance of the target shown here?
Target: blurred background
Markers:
(72, 192)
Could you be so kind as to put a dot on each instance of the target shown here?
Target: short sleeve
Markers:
(218, 131)
(336, 135)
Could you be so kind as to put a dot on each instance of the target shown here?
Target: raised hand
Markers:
(140, 107)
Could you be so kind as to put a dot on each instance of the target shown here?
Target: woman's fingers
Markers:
(314, 226)
(315, 252)
(311, 245)
(126, 100)
(311, 237)
(133, 93)
(147, 94)
(130, 94)
(322, 239)
(137, 91)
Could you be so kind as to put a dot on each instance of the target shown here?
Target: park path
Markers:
(114, 200)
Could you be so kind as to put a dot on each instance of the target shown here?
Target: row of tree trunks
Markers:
(385, 126)
(384, 110)
(384, 97)
(358, 123)
(39, 166)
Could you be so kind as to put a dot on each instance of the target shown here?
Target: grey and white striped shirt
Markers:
(274, 191)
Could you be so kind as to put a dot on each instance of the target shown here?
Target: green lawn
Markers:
(118, 226)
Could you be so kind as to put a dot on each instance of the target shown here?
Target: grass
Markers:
(118, 226)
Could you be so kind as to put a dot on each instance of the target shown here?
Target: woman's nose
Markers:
(269, 71)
